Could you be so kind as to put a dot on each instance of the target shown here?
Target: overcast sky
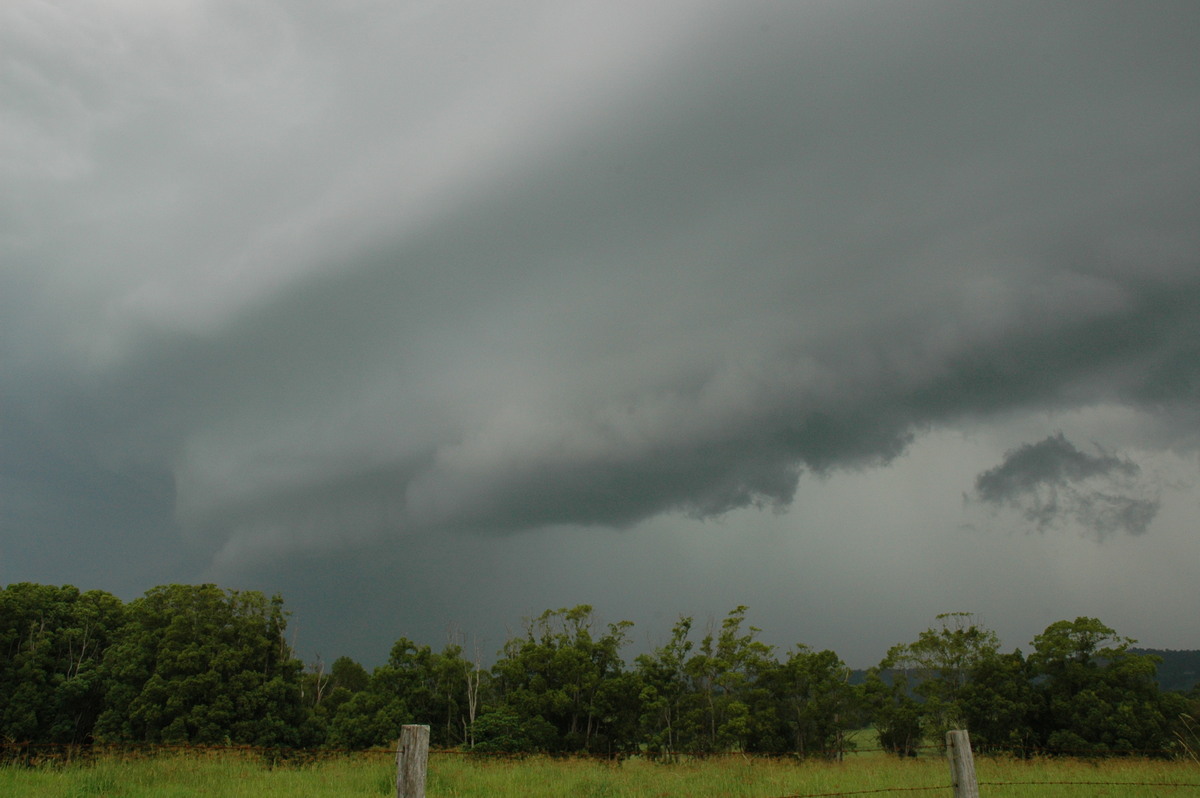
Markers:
(438, 315)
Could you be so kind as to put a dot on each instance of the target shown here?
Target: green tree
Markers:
(664, 689)
(349, 675)
(943, 661)
(999, 704)
(52, 642)
(734, 709)
(895, 713)
(325, 691)
(199, 664)
(346, 678)
(367, 719)
(450, 696)
(815, 703)
(416, 685)
(566, 675)
(501, 730)
(1097, 696)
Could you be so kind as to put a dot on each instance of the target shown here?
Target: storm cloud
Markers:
(324, 282)
(1051, 481)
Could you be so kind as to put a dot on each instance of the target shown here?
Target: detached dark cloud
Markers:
(1051, 482)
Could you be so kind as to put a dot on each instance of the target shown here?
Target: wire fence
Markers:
(874, 791)
(942, 787)
(59, 753)
(1193, 785)
(62, 750)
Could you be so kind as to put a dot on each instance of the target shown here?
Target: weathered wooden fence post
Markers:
(412, 755)
(962, 764)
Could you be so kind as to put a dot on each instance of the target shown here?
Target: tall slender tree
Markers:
(664, 688)
(568, 676)
(942, 661)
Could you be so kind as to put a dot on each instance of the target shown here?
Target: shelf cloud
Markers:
(360, 283)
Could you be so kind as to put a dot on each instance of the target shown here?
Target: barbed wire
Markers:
(831, 755)
(308, 755)
(875, 791)
(942, 787)
(1084, 784)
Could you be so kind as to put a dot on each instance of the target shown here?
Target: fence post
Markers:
(962, 764)
(412, 756)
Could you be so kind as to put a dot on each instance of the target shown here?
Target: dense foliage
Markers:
(199, 664)
(52, 645)
(202, 665)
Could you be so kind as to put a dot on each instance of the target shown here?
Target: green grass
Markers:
(236, 775)
(229, 774)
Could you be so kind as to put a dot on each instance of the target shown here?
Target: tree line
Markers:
(198, 664)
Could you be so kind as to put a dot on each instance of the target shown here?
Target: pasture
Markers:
(234, 774)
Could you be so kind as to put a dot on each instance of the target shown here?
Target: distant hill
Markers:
(1179, 670)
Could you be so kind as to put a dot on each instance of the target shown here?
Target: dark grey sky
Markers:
(436, 316)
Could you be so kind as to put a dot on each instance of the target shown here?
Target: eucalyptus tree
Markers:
(727, 673)
(815, 703)
(565, 673)
(897, 716)
(665, 692)
(415, 685)
(942, 662)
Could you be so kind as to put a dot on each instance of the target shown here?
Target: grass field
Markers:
(231, 774)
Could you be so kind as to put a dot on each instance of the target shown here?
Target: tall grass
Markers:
(182, 775)
(1189, 737)
(236, 775)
